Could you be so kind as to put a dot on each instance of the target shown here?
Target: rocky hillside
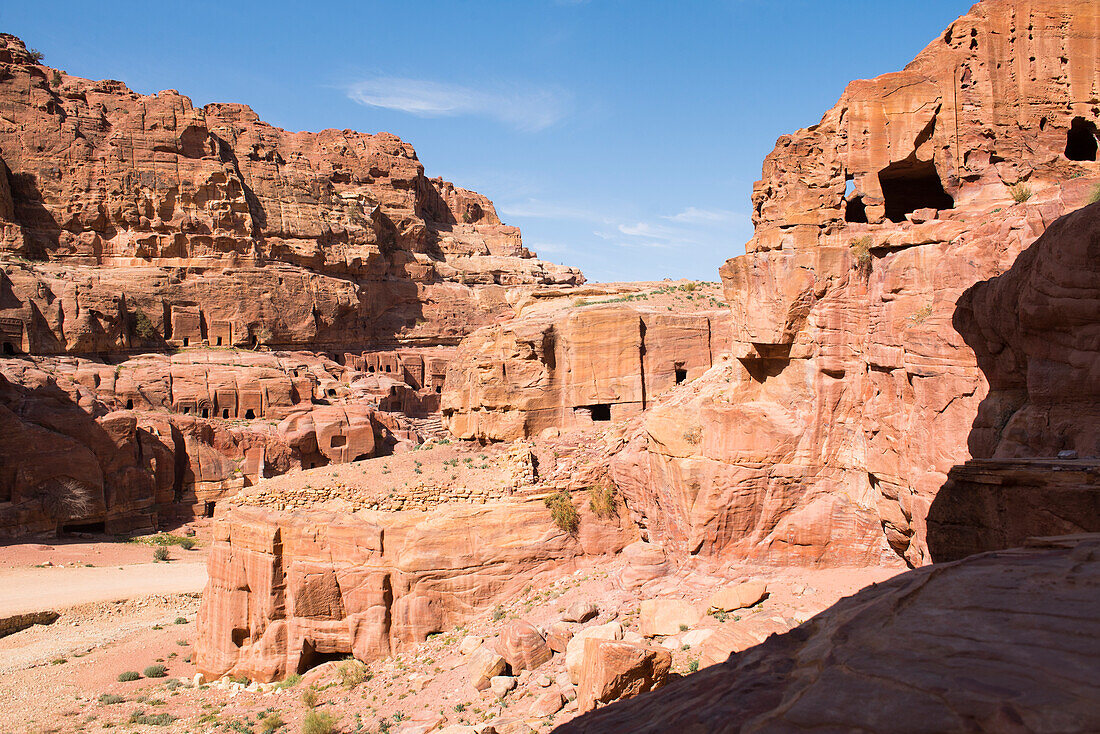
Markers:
(854, 392)
(130, 221)
(1019, 655)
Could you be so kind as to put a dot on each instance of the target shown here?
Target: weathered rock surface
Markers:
(851, 396)
(737, 597)
(289, 589)
(523, 646)
(561, 366)
(1003, 641)
(1036, 436)
(614, 670)
(667, 616)
(576, 651)
(158, 436)
(150, 221)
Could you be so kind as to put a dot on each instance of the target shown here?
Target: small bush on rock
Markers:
(128, 676)
(160, 554)
(562, 511)
(108, 699)
(309, 697)
(602, 500)
(187, 543)
(1021, 192)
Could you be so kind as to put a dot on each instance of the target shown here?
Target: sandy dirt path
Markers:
(25, 590)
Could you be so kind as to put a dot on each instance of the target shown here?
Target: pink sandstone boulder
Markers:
(523, 646)
(614, 670)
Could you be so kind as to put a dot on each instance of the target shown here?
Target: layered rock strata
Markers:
(1036, 436)
(290, 590)
(852, 397)
(564, 364)
(145, 221)
(1020, 653)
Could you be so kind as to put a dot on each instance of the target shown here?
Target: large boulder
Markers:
(614, 669)
(667, 616)
(739, 596)
(483, 666)
(523, 646)
(575, 650)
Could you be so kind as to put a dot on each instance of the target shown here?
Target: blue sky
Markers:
(622, 136)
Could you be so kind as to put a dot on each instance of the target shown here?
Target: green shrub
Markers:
(270, 723)
(351, 672)
(140, 717)
(143, 327)
(108, 699)
(861, 250)
(160, 554)
(36, 55)
(693, 666)
(498, 613)
(291, 680)
(602, 500)
(181, 620)
(1021, 192)
(562, 511)
(128, 676)
(1095, 195)
(309, 697)
(318, 722)
(55, 78)
(155, 671)
(187, 543)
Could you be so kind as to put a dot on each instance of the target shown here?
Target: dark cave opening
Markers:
(1081, 140)
(311, 658)
(910, 185)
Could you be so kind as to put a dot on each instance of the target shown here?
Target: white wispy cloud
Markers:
(694, 215)
(539, 209)
(649, 229)
(525, 108)
(548, 247)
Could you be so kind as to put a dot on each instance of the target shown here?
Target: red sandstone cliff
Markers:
(141, 219)
(852, 396)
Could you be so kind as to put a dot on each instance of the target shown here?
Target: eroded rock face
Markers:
(566, 366)
(161, 437)
(1036, 436)
(884, 660)
(150, 221)
(852, 396)
(288, 589)
(147, 248)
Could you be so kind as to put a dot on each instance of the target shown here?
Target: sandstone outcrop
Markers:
(1019, 652)
(851, 396)
(159, 436)
(146, 244)
(1036, 436)
(291, 590)
(562, 365)
(142, 220)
